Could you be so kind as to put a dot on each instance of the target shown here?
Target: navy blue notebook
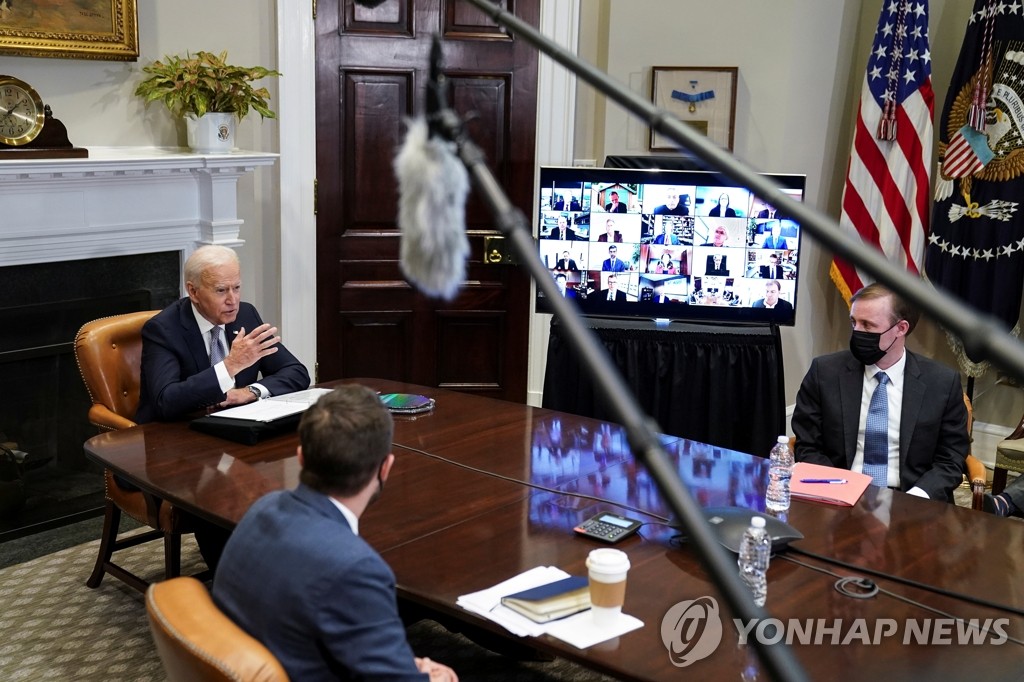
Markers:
(552, 601)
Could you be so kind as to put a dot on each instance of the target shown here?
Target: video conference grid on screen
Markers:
(669, 244)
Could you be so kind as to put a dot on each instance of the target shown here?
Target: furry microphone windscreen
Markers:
(433, 186)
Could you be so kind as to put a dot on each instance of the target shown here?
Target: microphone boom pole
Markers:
(640, 429)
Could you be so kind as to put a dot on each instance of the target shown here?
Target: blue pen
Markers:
(833, 481)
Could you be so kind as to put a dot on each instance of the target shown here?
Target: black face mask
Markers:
(864, 346)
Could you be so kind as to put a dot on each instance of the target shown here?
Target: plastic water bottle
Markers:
(755, 553)
(780, 470)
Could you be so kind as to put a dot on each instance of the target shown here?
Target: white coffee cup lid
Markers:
(608, 560)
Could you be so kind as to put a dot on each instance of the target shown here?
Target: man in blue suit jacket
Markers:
(297, 576)
(178, 377)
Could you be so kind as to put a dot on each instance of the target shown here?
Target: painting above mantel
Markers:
(87, 29)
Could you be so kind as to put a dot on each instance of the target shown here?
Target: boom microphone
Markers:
(433, 185)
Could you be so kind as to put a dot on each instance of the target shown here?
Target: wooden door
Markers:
(372, 67)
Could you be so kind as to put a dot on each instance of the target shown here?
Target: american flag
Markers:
(886, 200)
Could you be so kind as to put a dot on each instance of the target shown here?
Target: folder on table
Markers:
(845, 494)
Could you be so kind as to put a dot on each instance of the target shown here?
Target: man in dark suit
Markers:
(716, 266)
(562, 231)
(612, 293)
(566, 263)
(613, 263)
(772, 270)
(563, 286)
(771, 298)
(614, 206)
(610, 233)
(297, 576)
(211, 348)
(674, 204)
(880, 409)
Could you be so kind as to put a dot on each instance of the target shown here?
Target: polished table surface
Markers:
(483, 490)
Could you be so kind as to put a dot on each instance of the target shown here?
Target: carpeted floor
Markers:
(52, 627)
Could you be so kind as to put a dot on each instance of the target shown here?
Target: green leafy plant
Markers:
(205, 82)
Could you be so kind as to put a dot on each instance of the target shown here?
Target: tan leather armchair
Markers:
(198, 643)
(109, 355)
(976, 474)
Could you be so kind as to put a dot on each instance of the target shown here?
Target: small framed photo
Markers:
(701, 96)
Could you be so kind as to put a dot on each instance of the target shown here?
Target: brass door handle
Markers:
(496, 253)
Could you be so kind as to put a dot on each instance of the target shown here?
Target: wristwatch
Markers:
(255, 391)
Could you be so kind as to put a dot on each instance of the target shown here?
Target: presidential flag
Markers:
(976, 249)
(886, 199)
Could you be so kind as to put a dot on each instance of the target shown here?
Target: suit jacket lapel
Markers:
(190, 332)
(913, 396)
(851, 386)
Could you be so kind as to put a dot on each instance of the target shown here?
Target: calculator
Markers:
(608, 527)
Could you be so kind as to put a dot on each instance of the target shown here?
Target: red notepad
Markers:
(845, 494)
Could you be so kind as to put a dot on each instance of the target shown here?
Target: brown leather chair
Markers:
(109, 355)
(198, 643)
(976, 474)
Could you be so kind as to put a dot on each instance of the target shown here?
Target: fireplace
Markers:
(82, 239)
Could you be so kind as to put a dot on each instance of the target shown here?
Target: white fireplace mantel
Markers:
(120, 201)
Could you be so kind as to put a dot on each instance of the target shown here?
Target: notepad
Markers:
(552, 601)
(845, 494)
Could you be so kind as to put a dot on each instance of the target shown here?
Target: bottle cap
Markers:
(757, 521)
(782, 439)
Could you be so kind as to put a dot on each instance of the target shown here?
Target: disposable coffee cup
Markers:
(607, 570)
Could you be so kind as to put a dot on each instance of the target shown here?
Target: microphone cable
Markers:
(862, 588)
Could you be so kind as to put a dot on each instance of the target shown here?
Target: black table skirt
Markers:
(719, 385)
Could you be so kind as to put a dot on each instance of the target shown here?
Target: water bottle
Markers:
(780, 470)
(755, 552)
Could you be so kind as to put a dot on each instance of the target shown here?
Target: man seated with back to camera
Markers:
(296, 575)
(211, 349)
(882, 410)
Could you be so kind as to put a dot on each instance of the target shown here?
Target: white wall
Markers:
(95, 100)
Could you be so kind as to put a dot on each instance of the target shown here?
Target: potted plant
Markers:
(209, 94)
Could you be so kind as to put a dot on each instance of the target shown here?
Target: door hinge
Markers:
(314, 10)
(316, 195)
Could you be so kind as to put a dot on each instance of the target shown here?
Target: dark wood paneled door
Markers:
(372, 67)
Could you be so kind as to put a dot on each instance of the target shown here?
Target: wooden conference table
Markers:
(448, 523)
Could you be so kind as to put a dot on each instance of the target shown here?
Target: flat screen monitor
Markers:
(669, 244)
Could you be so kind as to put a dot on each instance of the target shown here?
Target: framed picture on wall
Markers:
(86, 29)
(700, 96)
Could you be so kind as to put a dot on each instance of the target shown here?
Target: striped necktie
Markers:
(216, 346)
(876, 434)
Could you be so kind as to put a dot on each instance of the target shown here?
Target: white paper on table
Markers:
(276, 406)
(581, 631)
(487, 603)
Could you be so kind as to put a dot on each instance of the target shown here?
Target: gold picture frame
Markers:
(89, 29)
(701, 96)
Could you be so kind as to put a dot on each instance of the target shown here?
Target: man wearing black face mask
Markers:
(880, 409)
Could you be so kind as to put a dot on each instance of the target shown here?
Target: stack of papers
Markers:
(577, 630)
(276, 407)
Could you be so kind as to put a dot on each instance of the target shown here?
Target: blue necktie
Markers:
(216, 346)
(876, 435)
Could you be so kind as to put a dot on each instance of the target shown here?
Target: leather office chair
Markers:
(1009, 457)
(976, 474)
(109, 355)
(197, 642)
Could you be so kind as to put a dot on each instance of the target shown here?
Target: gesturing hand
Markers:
(247, 349)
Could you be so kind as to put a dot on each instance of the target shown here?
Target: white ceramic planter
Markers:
(213, 133)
